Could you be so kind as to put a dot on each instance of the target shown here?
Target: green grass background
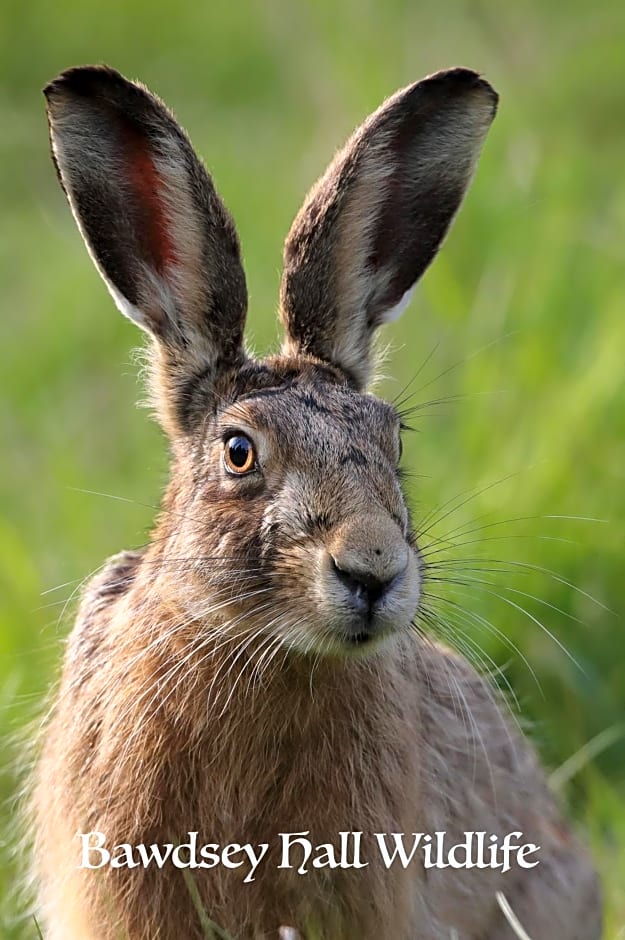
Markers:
(526, 303)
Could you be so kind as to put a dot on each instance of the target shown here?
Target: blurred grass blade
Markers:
(577, 761)
(210, 928)
(511, 917)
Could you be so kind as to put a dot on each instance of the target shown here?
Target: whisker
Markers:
(483, 621)
(530, 616)
(526, 567)
(434, 517)
(460, 362)
(461, 531)
(136, 502)
(396, 401)
(470, 581)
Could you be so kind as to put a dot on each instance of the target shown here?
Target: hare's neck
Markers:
(221, 727)
(220, 677)
(213, 678)
(313, 737)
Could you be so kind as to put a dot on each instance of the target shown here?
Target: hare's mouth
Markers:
(359, 639)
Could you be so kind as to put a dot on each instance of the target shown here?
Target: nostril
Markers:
(363, 585)
(344, 576)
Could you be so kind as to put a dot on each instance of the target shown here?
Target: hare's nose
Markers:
(366, 588)
(368, 555)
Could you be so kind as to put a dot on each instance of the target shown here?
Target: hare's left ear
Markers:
(156, 229)
(371, 225)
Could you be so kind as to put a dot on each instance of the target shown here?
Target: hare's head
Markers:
(285, 505)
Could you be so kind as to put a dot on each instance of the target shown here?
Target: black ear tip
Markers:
(462, 81)
(82, 80)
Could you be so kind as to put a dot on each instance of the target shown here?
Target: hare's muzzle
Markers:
(370, 583)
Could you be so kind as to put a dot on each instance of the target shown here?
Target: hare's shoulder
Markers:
(114, 577)
(465, 714)
(480, 766)
(482, 774)
(112, 581)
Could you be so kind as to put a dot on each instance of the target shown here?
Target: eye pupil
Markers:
(239, 454)
(239, 449)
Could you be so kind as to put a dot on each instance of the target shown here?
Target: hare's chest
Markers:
(315, 806)
(327, 776)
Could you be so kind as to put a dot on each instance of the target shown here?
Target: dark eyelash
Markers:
(233, 431)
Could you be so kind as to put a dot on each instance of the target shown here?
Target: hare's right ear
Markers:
(155, 227)
(373, 222)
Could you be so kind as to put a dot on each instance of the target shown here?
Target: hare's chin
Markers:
(341, 642)
(338, 632)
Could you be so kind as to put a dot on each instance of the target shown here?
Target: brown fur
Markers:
(222, 680)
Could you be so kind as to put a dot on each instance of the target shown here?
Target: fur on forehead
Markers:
(280, 391)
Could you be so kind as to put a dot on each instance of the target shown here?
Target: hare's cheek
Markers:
(401, 603)
(226, 544)
(297, 570)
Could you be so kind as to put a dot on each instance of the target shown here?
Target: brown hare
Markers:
(254, 673)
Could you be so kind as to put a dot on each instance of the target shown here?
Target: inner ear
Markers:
(130, 230)
(148, 185)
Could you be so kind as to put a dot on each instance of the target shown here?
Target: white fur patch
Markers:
(394, 313)
(123, 305)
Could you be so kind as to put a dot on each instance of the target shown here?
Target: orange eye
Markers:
(239, 455)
